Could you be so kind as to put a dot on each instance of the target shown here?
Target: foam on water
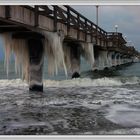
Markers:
(125, 115)
(86, 82)
(64, 109)
(80, 82)
(13, 83)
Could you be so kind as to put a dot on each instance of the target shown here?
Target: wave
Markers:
(80, 82)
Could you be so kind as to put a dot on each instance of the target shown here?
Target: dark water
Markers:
(103, 102)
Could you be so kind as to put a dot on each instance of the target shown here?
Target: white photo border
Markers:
(70, 2)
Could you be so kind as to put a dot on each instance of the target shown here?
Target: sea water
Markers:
(100, 102)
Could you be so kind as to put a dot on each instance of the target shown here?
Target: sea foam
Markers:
(80, 82)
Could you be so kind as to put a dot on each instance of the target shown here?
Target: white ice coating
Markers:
(102, 60)
(88, 53)
(67, 55)
(54, 52)
(105, 58)
(20, 50)
(110, 59)
(72, 63)
(58, 56)
(114, 59)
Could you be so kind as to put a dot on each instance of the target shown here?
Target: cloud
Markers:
(126, 17)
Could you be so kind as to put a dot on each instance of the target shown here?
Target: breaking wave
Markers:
(80, 82)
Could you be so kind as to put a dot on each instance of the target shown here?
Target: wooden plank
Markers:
(55, 18)
(68, 20)
(85, 30)
(78, 34)
(61, 14)
(46, 11)
(7, 12)
(27, 35)
(22, 15)
(36, 12)
(2, 11)
(73, 20)
(46, 23)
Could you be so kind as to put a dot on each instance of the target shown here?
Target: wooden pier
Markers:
(28, 22)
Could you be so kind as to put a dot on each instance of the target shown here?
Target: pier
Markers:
(62, 35)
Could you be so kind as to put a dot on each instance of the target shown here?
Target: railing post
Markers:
(106, 40)
(91, 32)
(7, 12)
(100, 38)
(55, 18)
(68, 20)
(96, 35)
(85, 29)
(78, 26)
(36, 16)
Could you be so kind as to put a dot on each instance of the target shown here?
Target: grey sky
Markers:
(126, 17)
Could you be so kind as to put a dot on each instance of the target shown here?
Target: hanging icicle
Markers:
(20, 50)
(88, 52)
(67, 55)
(54, 52)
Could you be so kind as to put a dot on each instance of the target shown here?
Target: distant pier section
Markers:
(63, 36)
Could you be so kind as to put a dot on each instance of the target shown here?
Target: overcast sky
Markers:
(126, 17)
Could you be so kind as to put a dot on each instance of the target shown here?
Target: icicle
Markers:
(67, 55)
(20, 50)
(7, 48)
(54, 52)
(88, 52)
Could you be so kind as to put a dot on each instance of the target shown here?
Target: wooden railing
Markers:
(70, 17)
(73, 19)
(116, 39)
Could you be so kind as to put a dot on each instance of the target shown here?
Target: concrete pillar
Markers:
(113, 59)
(36, 56)
(117, 59)
(105, 58)
(75, 60)
(96, 57)
(110, 59)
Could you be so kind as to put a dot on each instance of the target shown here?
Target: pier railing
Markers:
(71, 18)
(115, 39)
(50, 17)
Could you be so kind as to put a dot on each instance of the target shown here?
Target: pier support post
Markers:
(110, 59)
(114, 59)
(75, 60)
(36, 57)
(117, 59)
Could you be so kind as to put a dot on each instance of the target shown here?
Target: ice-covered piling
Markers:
(53, 45)
(36, 59)
(73, 52)
(20, 50)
